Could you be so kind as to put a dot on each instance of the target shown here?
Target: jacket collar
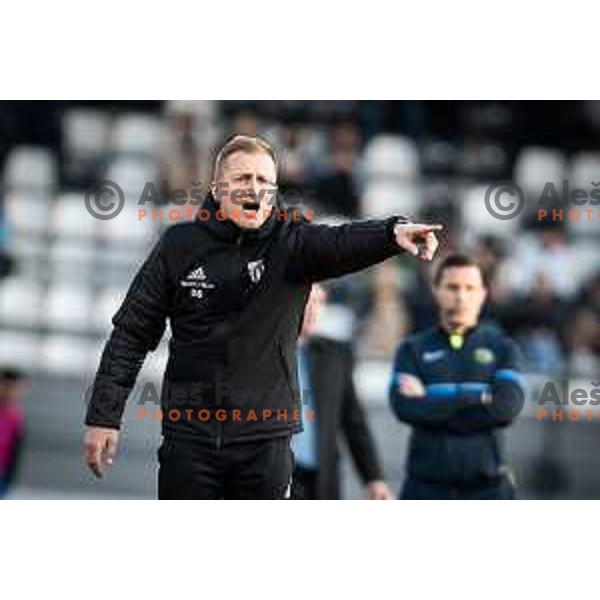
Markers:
(226, 229)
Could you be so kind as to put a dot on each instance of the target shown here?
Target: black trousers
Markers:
(258, 470)
(304, 484)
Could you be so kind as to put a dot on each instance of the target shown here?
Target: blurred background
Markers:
(63, 273)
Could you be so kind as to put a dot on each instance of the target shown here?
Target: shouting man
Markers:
(233, 284)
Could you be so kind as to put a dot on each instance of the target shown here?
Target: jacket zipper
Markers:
(220, 425)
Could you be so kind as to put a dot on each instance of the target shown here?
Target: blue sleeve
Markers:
(506, 395)
(442, 400)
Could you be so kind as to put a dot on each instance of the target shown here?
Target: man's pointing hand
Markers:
(417, 239)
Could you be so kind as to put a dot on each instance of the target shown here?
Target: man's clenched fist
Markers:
(417, 239)
(100, 448)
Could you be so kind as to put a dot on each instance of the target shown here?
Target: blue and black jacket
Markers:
(473, 387)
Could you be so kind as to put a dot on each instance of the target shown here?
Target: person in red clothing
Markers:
(12, 425)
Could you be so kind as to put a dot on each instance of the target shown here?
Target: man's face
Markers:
(246, 187)
(460, 294)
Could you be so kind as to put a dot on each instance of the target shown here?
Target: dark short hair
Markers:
(455, 260)
(243, 143)
(12, 374)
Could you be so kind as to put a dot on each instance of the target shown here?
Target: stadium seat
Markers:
(27, 211)
(136, 134)
(30, 169)
(585, 169)
(390, 157)
(382, 198)
(585, 261)
(30, 253)
(534, 167)
(20, 350)
(70, 218)
(86, 133)
(67, 355)
(68, 307)
(131, 173)
(71, 260)
(127, 229)
(20, 301)
(478, 221)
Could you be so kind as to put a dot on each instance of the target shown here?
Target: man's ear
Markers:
(213, 190)
(484, 294)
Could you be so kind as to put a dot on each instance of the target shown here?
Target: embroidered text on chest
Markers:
(196, 280)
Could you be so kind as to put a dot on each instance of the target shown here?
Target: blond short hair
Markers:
(243, 143)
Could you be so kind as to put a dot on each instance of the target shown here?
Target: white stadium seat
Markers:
(390, 157)
(27, 212)
(29, 168)
(71, 218)
(128, 229)
(478, 220)
(585, 169)
(535, 167)
(20, 350)
(68, 307)
(20, 301)
(67, 355)
(86, 133)
(136, 134)
(71, 260)
(131, 174)
(382, 198)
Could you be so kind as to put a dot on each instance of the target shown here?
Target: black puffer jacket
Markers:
(235, 300)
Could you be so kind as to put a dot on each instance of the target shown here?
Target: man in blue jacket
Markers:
(457, 384)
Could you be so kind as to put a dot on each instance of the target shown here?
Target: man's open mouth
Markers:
(249, 205)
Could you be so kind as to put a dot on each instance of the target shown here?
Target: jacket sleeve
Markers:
(440, 402)
(139, 325)
(357, 431)
(505, 394)
(319, 252)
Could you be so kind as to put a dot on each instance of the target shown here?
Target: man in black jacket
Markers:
(233, 284)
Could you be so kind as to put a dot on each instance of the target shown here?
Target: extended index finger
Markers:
(425, 228)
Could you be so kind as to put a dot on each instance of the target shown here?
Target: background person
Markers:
(326, 364)
(457, 384)
(12, 425)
